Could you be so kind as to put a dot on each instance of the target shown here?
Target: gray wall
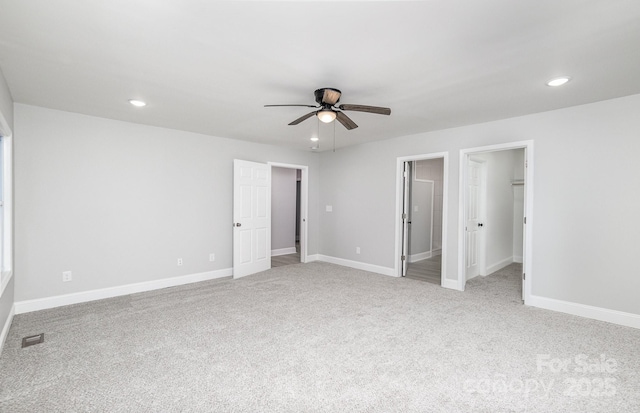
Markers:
(6, 110)
(420, 216)
(430, 169)
(436, 171)
(117, 203)
(518, 206)
(6, 101)
(360, 183)
(283, 208)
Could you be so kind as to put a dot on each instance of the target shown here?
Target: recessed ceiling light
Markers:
(314, 139)
(137, 103)
(558, 81)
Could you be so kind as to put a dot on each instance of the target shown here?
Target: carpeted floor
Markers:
(320, 338)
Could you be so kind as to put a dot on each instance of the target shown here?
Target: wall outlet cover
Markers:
(67, 276)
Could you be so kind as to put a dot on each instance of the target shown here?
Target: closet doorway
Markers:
(288, 214)
(496, 194)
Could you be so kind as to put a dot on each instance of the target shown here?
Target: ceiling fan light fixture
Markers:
(326, 115)
(315, 139)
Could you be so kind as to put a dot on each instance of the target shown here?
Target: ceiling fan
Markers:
(327, 99)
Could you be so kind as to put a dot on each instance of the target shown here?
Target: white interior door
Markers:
(473, 223)
(251, 217)
(406, 209)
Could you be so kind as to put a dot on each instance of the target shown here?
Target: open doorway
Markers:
(496, 188)
(422, 217)
(423, 260)
(288, 230)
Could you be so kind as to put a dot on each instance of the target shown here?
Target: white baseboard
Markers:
(85, 296)
(582, 310)
(435, 253)
(498, 265)
(314, 257)
(451, 284)
(6, 327)
(420, 256)
(283, 251)
(517, 258)
(358, 265)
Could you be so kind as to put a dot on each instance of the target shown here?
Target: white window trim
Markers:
(7, 210)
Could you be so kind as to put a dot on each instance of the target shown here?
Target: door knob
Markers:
(480, 224)
(237, 225)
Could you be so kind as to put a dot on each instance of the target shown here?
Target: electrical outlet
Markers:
(329, 208)
(67, 276)
(179, 262)
(212, 257)
(357, 250)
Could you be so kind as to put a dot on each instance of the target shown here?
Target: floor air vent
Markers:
(32, 340)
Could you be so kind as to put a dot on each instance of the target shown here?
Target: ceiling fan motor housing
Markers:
(320, 94)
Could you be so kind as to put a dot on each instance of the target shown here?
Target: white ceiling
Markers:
(210, 66)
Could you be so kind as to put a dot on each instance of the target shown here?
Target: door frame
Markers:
(407, 167)
(445, 282)
(527, 257)
(304, 205)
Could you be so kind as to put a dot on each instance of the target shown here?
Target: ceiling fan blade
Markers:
(331, 96)
(301, 118)
(306, 106)
(370, 109)
(346, 121)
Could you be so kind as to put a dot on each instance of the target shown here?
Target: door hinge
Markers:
(404, 216)
(524, 276)
(404, 257)
(525, 220)
(404, 174)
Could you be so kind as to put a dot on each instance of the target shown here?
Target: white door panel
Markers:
(251, 218)
(473, 224)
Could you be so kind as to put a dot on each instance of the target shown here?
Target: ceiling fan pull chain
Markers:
(334, 137)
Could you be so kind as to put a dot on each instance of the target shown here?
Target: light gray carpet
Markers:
(317, 338)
